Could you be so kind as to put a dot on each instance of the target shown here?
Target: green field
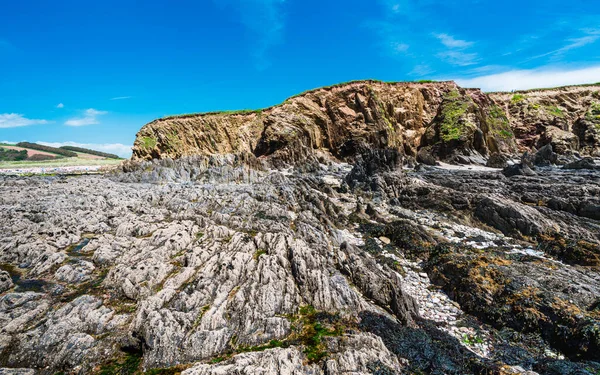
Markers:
(82, 159)
(64, 162)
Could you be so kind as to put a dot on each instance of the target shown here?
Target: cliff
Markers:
(441, 117)
(428, 121)
(566, 117)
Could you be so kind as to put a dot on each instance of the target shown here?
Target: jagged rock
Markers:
(545, 156)
(291, 241)
(562, 141)
(511, 217)
(518, 170)
(424, 156)
(552, 114)
(5, 281)
(585, 163)
(525, 168)
(587, 129)
(511, 291)
(497, 161)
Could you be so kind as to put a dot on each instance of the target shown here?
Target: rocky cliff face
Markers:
(434, 121)
(566, 117)
(339, 121)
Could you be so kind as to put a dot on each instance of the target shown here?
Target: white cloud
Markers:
(399, 47)
(455, 53)
(591, 36)
(458, 58)
(122, 150)
(60, 105)
(90, 118)
(14, 120)
(121, 98)
(450, 42)
(534, 78)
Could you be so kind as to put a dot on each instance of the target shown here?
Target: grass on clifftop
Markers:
(260, 110)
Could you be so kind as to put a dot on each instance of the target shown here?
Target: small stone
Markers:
(385, 240)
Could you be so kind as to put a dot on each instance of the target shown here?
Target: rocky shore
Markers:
(212, 265)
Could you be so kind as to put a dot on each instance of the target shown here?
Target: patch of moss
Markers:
(554, 110)
(148, 143)
(309, 327)
(593, 113)
(173, 141)
(258, 253)
(453, 125)
(498, 122)
(517, 98)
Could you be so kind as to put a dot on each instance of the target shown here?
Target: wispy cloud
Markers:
(60, 105)
(265, 22)
(450, 42)
(120, 149)
(90, 118)
(121, 98)
(458, 58)
(534, 78)
(455, 53)
(15, 120)
(587, 37)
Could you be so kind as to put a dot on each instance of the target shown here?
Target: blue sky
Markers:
(94, 72)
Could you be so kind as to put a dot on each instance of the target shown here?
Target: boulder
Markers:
(545, 156)
(497, 161)
(562, 141)
(5, 281)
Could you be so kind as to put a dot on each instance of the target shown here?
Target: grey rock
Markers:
(5, 281)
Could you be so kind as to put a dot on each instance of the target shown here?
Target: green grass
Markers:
(148, 143)
(498, 122)
(472, 339)
(555, 111)
(517, 98)
(64, 162)
(259, 111)
(309, 327)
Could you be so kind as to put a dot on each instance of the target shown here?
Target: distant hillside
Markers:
(12, 155)
(54, 150)
(91, 152)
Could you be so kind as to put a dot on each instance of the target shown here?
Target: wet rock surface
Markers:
(229, 265)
